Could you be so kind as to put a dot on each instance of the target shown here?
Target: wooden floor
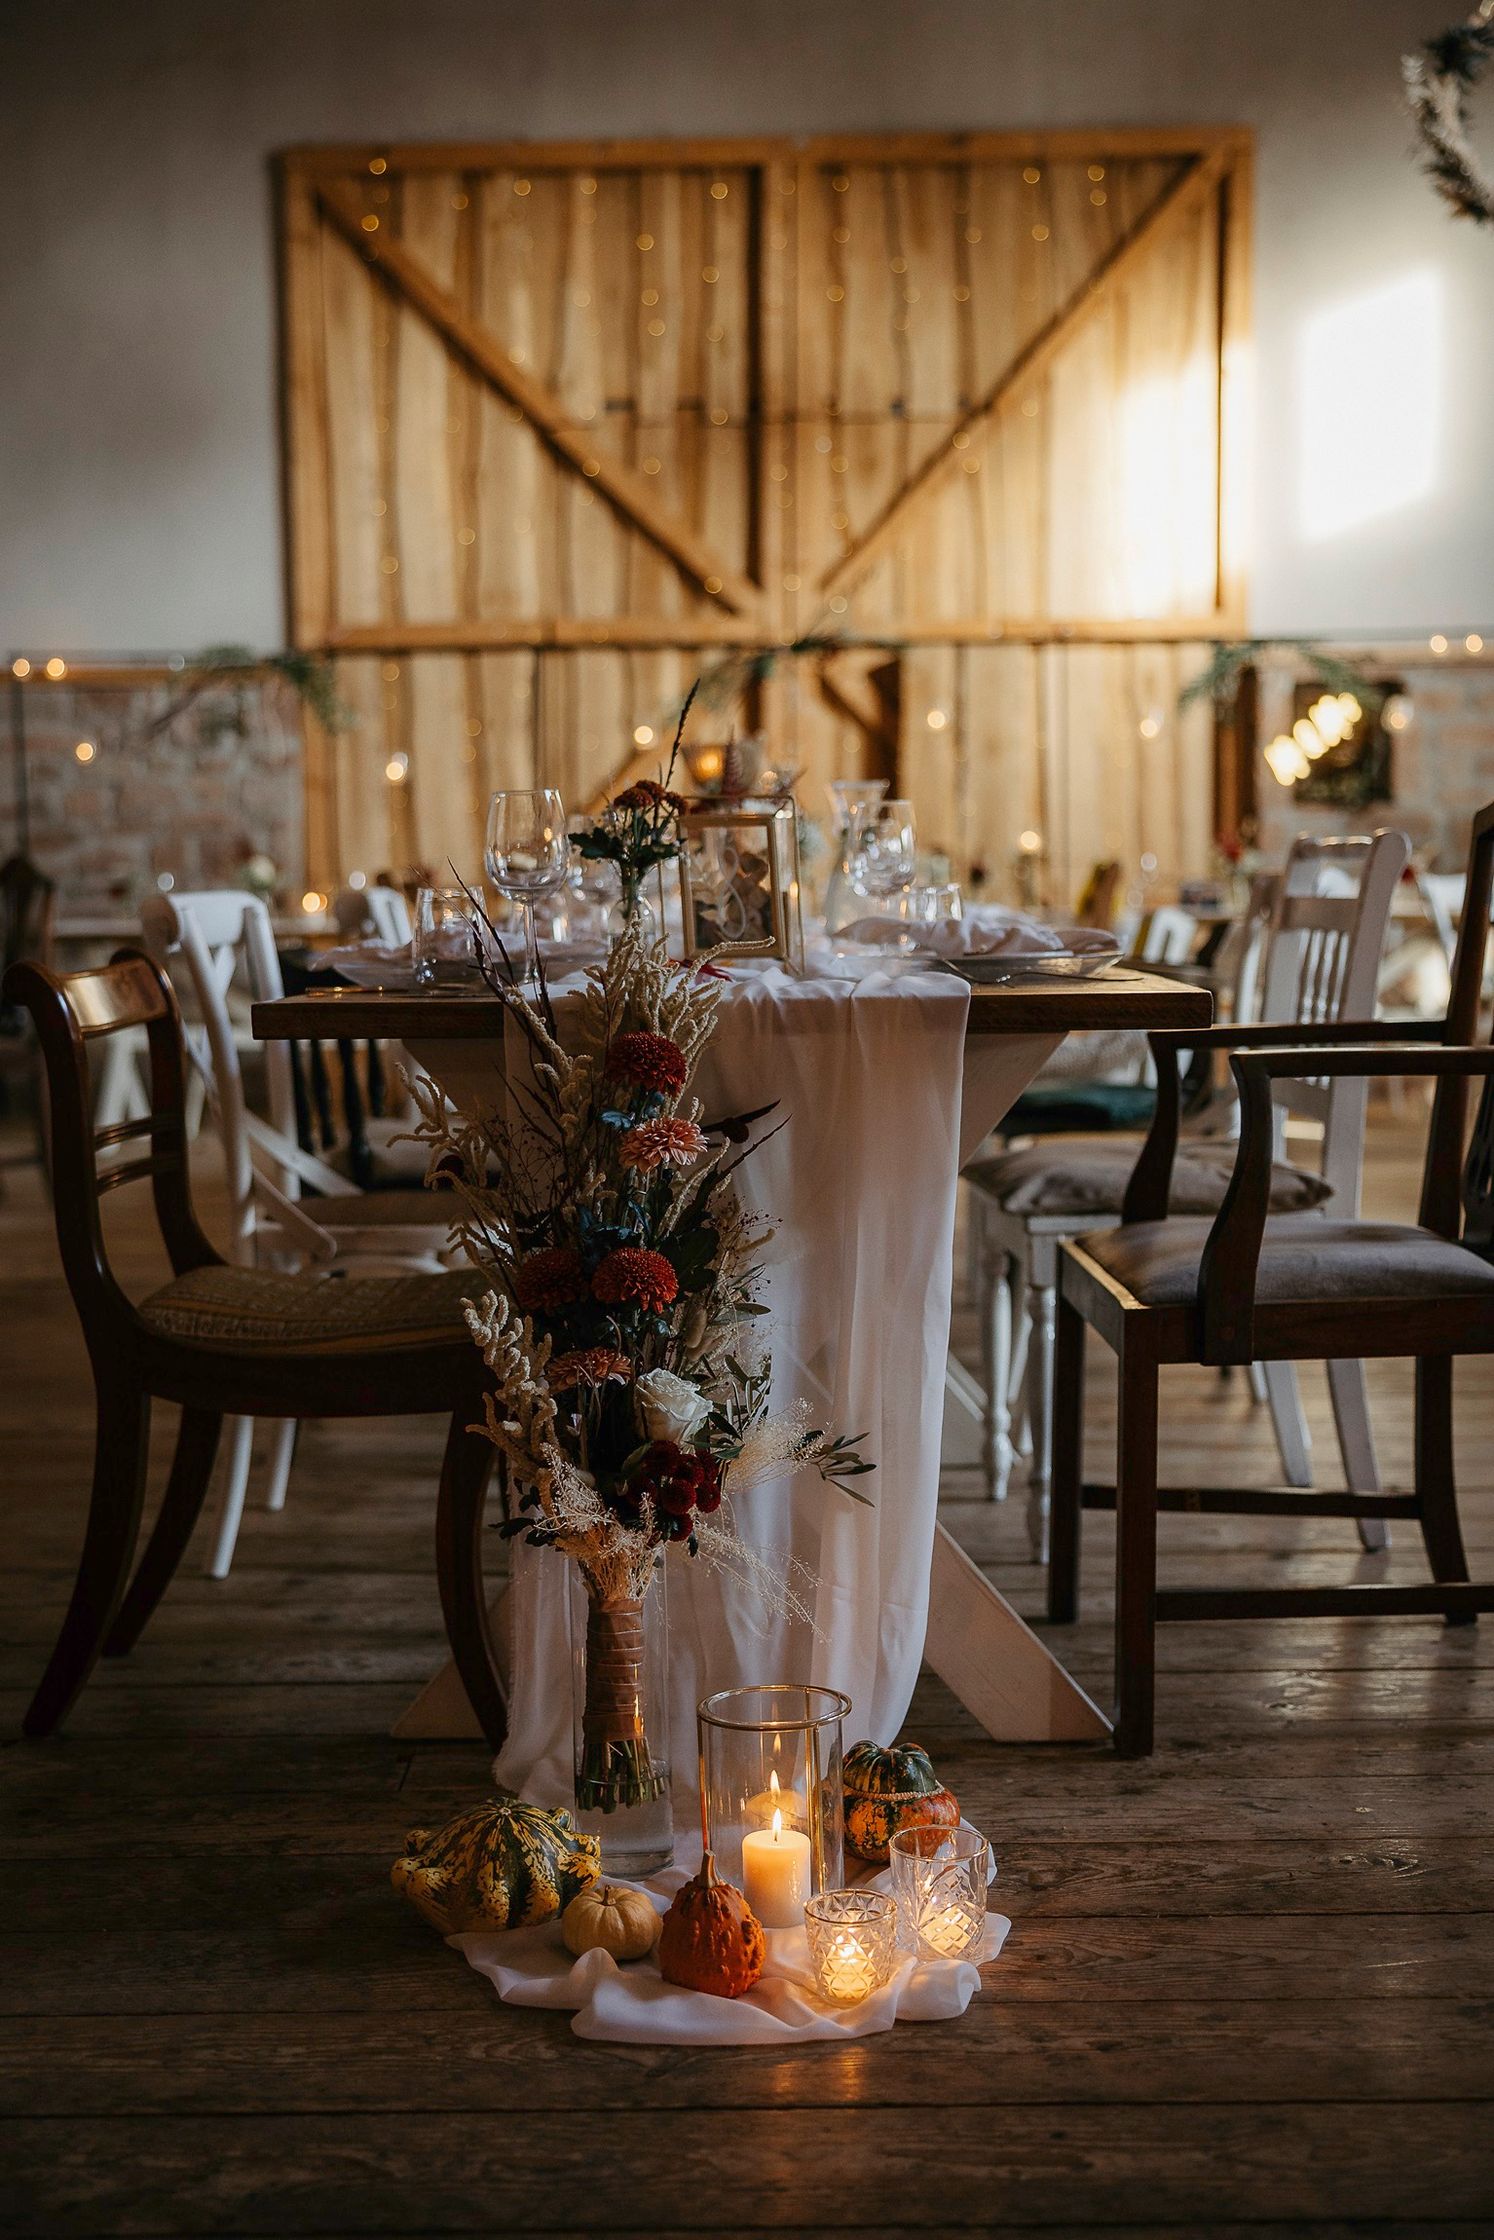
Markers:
(1250, 1985)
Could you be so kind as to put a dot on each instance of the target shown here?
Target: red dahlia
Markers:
(648, 1061)
(679, 1479)
(591, 1365)
(550, 1280)
(635, 1277)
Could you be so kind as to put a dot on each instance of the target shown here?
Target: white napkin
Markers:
(986, 930)
(631, 2004)
(372, 964)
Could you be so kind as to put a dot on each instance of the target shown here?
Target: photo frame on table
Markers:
(739, 880)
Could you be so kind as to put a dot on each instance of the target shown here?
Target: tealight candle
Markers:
(776, 1874)
(852, 1936)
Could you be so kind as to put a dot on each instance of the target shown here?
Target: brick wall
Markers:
(189, 790)
(1442, 764)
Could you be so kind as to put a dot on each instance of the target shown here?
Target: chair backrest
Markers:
(1096, 903)
(28, 901)
(390, 914)
(1442, 897)
(1455, 1193)
(1166, 935)
(211, 938)
(1322, 963)
(1248, 939)
(73, 1014)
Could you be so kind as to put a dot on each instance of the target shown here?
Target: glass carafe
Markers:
(851, 799)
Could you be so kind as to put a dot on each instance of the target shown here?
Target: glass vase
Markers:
(620, 1699)
(633, 909)
(770, 1767)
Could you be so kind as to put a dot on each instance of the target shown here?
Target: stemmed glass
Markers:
(528, 855)
(886, 857)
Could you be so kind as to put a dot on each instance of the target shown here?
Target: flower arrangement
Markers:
(630, 1396)
(639, 828)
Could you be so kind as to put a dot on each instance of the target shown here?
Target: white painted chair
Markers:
(211, 942)
(389, 914)
(1322, 951)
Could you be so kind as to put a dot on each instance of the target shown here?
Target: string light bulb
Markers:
(357, 880)
(1437, 642)
(1285, 759)
(1398, 712)
(643, 735)
(1328, 718)
(1150, 726)
(1473, 643)
(313, 903)
(20, 667)
(56, 667)
(84, 751)
(397, 769)
(937, 719)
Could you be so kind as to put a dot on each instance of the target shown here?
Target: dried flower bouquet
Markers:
(630, 1392)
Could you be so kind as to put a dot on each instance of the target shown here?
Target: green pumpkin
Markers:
(502, 1865)
(888, 1789)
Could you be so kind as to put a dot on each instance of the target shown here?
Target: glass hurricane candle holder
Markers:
(771, 1800)
(852, 1943)
(939, 1882)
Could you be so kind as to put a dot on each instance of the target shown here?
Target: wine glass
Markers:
(886, 858)
(528, 855)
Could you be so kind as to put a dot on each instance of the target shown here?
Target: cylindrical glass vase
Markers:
(771, 1796)
(620, 1697)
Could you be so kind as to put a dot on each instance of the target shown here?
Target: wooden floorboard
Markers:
(1250, 1986)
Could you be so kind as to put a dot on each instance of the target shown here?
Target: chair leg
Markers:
(1041, 1300)
(1136, 1554)
(996, 1349)
(181, 1506)
(1288, 1421)
(282, 1455)
(235, 1485)
(1067, 1508)
(465, 1472)
(1436, 1488)
(119, 1464)
(1356, 1444)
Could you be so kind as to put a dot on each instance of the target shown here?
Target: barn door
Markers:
(566, 425)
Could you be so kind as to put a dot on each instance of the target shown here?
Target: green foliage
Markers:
(1219, 681)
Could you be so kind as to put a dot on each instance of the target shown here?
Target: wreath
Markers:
(1439, 79)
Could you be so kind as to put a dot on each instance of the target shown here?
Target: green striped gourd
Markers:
(892, 1788)
(501, 1865)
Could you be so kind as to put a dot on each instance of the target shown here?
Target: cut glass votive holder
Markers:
(771, 1793)
(852, 1943)
(939, 1882)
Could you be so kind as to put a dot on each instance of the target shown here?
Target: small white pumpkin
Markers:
(610, 1919)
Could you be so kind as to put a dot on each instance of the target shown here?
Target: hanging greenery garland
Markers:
(1439, 79)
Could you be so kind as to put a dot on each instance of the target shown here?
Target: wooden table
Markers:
(998, 1667)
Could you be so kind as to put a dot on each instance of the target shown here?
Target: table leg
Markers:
(996, 1664)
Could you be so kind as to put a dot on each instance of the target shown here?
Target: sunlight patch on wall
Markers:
(1168, 447)
(1371, 393)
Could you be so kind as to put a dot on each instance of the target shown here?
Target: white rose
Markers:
(671, 1407)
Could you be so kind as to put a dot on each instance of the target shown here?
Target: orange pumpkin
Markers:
(711, 1939)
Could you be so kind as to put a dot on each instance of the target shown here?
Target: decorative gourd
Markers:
(889, 1789)
(711, 1939)
(502, 1865)
(607, 1918)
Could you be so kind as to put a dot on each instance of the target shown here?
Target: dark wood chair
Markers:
(28, 904)
(224, 1341)
(1299, 1287)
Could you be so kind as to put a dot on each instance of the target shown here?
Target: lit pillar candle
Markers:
(792, 1803)
(775, 1871)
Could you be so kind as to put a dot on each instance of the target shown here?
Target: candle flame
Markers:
(777, 1826)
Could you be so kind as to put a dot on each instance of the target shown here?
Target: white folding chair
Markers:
(389, 914)
(209, 942)
(1321, 957)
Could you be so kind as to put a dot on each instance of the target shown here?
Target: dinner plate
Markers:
(1047, 964)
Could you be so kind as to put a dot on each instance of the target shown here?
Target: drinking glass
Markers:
(932, 902)
(939, 1882)
(886, 855)
(850, 800)
(528, 856)
(448, 938)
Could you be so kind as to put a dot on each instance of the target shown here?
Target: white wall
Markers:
(139, 499)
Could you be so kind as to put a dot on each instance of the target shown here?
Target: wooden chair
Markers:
(1309, 1287)
(223, 1341)
(206, 941)
(1322, 945)
(28, 905)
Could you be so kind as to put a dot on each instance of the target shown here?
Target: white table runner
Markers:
(885, 1099)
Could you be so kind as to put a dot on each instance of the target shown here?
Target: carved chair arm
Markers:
(1231, 1256)
(1150, 1186)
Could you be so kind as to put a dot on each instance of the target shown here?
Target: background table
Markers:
(979, 1646)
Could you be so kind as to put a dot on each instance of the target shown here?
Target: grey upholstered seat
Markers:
(1304, 1256)
(1077, 1175)
(240, 1308)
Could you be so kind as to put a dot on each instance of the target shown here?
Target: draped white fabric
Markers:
(884, 1099)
